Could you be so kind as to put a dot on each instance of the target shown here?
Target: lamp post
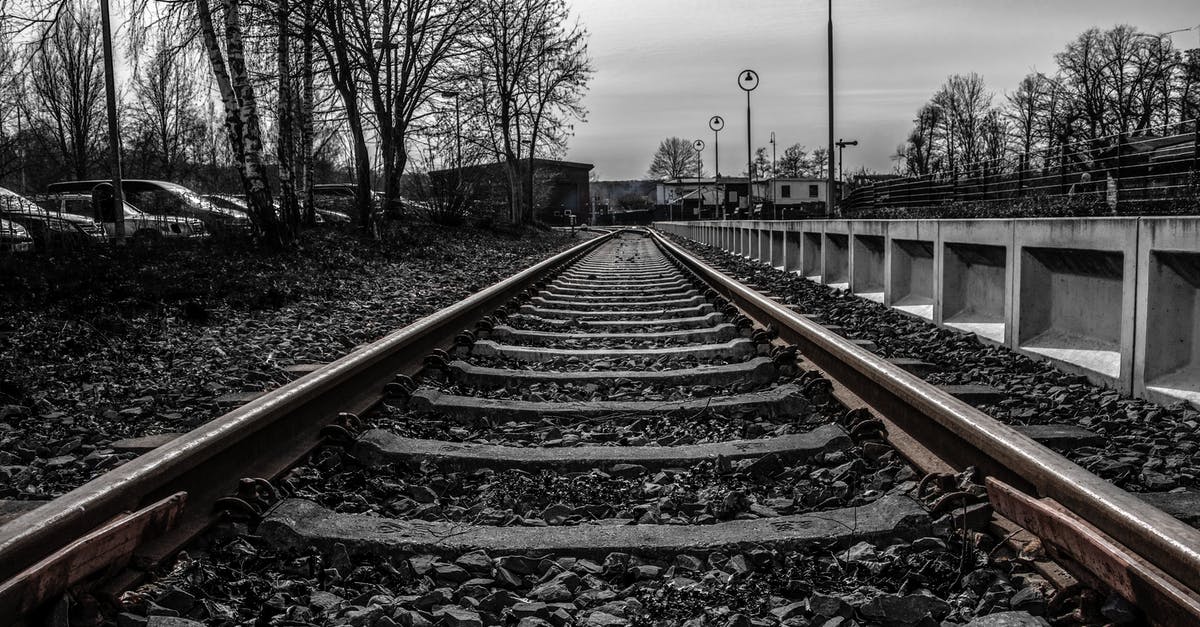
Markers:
(774, 211)
(841, 143)
(748, 81)
(699, 146)
(716, 123)
(829, 209)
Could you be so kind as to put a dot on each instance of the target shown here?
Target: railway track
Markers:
(619, 435)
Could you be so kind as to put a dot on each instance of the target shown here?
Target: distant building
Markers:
(705, 198)
(561, 187)
(793, 197)
(799, 194)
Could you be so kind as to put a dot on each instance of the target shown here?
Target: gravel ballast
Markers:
(125, 344)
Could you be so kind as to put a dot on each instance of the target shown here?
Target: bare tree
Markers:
(1025, 107)
(228, 63)
(390, 56)
(67, 81)
(675, 158)
(166, 119)
(13, 124)
(794, 162)
(531, 66)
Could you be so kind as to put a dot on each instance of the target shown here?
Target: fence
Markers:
(1147, 172)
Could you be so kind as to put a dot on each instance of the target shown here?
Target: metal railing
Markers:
(1146, 172)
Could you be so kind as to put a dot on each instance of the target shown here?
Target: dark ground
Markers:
(97, 346)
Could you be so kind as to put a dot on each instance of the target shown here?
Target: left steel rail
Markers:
(260, 439)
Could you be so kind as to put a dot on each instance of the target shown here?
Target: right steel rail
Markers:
(965, 436)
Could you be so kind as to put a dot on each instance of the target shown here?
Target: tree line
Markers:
(1107, 83)
(270, 96)
(676, 158)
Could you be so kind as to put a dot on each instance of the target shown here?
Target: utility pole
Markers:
(114, 132)
(841, 174)
(699, 146)
(829, 207)
(774, 211)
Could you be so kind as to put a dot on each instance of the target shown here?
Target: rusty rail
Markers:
(965, 436)
(259, 439)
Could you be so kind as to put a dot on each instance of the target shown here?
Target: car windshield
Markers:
(13, 202)
(188, 196)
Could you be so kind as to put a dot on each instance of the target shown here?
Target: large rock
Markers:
(1009, 619)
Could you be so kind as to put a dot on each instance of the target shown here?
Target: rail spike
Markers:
(343, 430)
(401, 387)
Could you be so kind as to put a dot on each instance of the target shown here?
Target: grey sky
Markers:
(663, 67)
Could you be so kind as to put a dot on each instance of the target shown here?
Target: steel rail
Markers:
(965, 436)
(257, 439)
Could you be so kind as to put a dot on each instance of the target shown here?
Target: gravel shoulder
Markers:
(122, 344)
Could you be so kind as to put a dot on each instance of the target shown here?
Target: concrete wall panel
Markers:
(835, 254)
(1073, 295)
(1167, 336)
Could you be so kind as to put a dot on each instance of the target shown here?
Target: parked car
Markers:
(14, 237)
(138, 224)
(237, 202)
(49, 229)
(166, 199)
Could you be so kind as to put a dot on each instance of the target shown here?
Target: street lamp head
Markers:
(772, 137)
(698, 145)
(748, 80)
(716, 123)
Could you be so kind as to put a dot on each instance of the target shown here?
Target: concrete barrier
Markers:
(868, 251)
(1073, 295)
(911, 278)
(793, 254)
(812, 247)
(778, 256)
(1167, 330)
(835, 248)
(975, 268)
(1114, 299)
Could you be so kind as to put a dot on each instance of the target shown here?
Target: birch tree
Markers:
(227, 59)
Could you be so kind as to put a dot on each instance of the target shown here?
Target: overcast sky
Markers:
(663, 67)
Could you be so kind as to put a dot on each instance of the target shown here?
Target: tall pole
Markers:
(716, 123)
(114, 133)
(774, 211)
(841, 144)
(748, 80)
(829, 208)
(699, 146)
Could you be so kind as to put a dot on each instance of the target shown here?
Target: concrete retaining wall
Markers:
(1114, 299)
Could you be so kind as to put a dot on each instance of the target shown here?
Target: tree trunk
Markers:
(306, 125)
(258, 190)
(343, 81)
(286, 146)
